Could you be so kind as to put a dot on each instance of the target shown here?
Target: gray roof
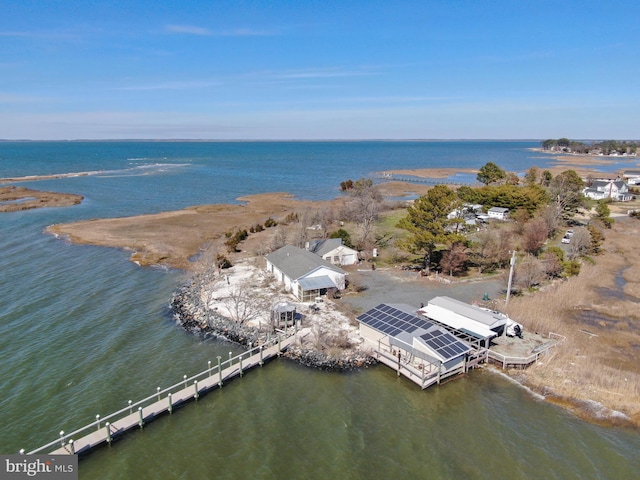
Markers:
(498, 209)
(605, 183)
(316, 283)
(295, 262)
(323, 246)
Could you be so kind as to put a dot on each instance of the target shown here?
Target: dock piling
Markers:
(89, 437)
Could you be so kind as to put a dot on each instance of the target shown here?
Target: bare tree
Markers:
(491, 249)
(529, 272)
(364, 207)
(279, 239)
(454, 259)
(549, 215)
(580, 243)
(242, 306)
(534, 234)
(551, 264)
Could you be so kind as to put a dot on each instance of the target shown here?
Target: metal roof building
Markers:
(419, 349)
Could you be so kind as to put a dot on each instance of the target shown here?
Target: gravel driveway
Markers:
(399, 286)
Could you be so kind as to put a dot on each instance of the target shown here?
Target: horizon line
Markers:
(5, 140)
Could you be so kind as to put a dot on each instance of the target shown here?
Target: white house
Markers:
(616, 190)
(498, 213)
(632, 176)
(304, 274)
(332, 250)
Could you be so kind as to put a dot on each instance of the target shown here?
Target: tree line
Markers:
(541, 206)
(607, 147)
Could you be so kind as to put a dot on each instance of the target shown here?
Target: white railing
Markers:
(524, 361)
(159, 393)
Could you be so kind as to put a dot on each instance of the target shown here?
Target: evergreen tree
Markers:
(427, 222)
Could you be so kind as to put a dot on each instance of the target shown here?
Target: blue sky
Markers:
(425, 69)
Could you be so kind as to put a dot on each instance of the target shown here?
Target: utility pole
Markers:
(512, 262)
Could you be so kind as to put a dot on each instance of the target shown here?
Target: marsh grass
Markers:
(599, 363)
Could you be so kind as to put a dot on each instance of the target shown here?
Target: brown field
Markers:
(430, 172)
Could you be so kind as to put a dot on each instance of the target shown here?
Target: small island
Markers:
(15, 199)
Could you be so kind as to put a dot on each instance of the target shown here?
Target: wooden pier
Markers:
(424, 373)
(136, 415)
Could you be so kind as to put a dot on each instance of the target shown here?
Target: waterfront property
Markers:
(332, 250)
(616, 190)
(464, 320)
(304, 274)
(420, 350)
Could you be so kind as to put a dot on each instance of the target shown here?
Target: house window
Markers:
(336, 259)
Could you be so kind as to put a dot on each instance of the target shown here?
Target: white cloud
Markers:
(174, 85)
(205, 32)
(188, 29)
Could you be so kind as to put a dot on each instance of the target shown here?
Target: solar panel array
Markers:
(392, 321)
(444, 343)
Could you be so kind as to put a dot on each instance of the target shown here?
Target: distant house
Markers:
(616, 190)
(304, 274)
(498, 213)
(332, 250)
(632, 177)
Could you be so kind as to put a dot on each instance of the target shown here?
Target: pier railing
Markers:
(523, 362)
(207, 378)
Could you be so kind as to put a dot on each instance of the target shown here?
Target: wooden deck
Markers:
(105, 432)
(424, 374)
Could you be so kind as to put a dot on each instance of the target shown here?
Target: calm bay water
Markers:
(82, 330)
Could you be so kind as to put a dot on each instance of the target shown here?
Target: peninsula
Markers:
(594, 373)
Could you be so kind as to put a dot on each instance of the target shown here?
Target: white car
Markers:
(566, 239)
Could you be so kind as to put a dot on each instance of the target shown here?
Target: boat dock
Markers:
(421, 371)
(105, 429)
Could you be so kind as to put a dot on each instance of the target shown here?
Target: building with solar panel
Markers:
(464, 320)
(419, 349)
(304, 274)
